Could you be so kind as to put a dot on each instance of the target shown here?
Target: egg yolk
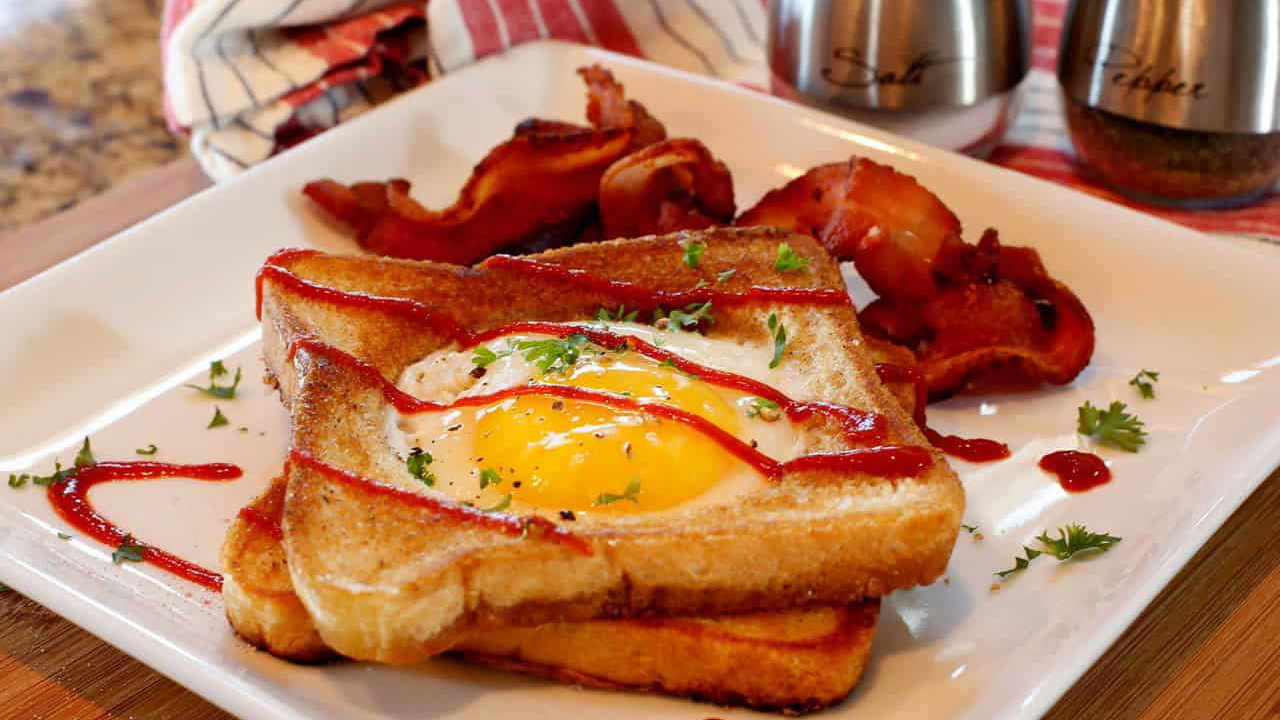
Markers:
(582, 455)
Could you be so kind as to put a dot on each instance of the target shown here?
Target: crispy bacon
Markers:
(973, 315)
(608, 107)
(536, 190)
(533, 184)
(672, 185)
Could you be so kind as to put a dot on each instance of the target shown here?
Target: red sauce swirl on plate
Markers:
(70, 499)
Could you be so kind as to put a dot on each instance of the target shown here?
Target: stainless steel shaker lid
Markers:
(1208, 65)
(899, 54)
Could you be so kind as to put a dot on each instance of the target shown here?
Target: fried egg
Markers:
(554, 455)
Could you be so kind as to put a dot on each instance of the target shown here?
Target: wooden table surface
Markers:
(1207, 648)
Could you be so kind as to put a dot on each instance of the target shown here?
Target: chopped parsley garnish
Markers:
(779, 339)
(417, 463)
(788, 260)
(5, 588)
(85, 458)
(1075, 539)
(128, 551)
(148, 450)
(688, 317)
(619, 315)
(218, 419)
(726, 275)
(760, 405)
(1072, 540)
(971, 529)
(484, 357)
(63, 536)
(1143, 381)
(632, 493)
(58, 475)
(222, 392)
(503, 504)
(554, 354)
(1112, 426)
(489, 476)
(693, 253)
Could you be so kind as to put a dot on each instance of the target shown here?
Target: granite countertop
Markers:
(80, 102)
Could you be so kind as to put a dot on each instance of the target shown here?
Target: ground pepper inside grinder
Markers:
(1175, 102)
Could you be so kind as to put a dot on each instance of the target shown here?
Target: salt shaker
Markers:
(1175, 102)
(945, 73)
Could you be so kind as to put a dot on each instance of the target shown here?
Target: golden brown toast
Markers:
(796, 660)
(390, 572)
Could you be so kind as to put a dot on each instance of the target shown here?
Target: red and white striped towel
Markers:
(246, 78)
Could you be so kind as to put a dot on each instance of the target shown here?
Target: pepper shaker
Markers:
(1175, 102)
(944, 73)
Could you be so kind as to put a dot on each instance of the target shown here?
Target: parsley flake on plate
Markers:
(1144, 382)
(148, 450)
(779, 334)
(214, 390)
(788, 260)
(85, 458)
(58, 475)
(129, 551)
(762, 408)
(417, 463)
(632, 493)
(218, 419)
(554, 354)
(489, 476)
(1112, 426)
(619, 315)
(693, 251)
(1072, 540)
(688, 317)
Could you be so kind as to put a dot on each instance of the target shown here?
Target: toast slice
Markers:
(796, 660)
(390, 571)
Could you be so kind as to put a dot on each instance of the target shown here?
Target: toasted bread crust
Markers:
(795, 660)
(427, 581)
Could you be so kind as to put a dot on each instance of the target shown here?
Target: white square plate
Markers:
(99, 344)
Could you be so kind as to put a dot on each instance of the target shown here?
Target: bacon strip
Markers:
(534, 191)
(670, 186)
(973, 315)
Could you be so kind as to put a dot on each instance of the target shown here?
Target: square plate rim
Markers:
(220, 687)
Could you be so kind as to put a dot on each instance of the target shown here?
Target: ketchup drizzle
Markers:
(70, 499)
(501, 522)
(891, 461)
(649, 298)
(971, 449)
(1076, 471)
(630, 293)
(859, 427)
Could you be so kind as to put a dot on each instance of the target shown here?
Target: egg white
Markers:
(447, 375)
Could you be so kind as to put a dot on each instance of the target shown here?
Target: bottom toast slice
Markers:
(796, 660)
